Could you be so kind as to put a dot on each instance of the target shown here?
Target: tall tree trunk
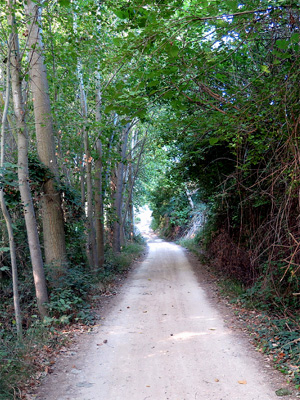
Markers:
(4, 209)
(99, 209)
(91, 243)
(130, 201)
(91, 246)
(91, 237)
(131, 181)
(23, 174)
(82, 179)
(52, 215)
(118, 195)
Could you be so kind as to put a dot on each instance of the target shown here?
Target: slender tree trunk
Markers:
(82, 180)
(4, 209)
(99, 187)
(13, 259)
(91, 237)
(130, 201)
(91, 244)
(99, 209)
(110, 146)
(118, 196)
(52, 215)
(134, 174)
(9, 121)
(23, 175)
(91, 247)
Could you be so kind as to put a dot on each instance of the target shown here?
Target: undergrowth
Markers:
(116, 264)
(190, 244)
(279, 338)
(70, 303)
(193, 246)
(19, 359)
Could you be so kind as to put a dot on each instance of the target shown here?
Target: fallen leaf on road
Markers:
(217, 380)
(283, 392)
(212, 329)
(242, 382)
(47, 370)
(105, 341)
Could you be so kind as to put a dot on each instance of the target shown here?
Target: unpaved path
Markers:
(163, 340)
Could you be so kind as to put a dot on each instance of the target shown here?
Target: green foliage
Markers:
(274, 289)
(194, 246)
(8, 175)
(22, 249)
(171, 209)
(18, 360)
(69, 296)
(75, 240)
(38, 172)
(66, 306)
(205, 236)
(119, 263)
(232, 288)
(128, 254)
(280, 339)
(9, 181)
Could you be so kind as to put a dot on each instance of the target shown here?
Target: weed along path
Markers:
(162, 340)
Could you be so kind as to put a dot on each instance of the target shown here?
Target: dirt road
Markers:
(163, 340)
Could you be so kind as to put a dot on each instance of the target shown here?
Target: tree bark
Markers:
(91, 234)
(91, 239)
(131, 181)
(52, 215)
(130, 211)
(82, 179)
(23, 175)
(118, 196)
(99, 209)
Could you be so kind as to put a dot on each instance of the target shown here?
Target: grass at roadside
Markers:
(193, 246)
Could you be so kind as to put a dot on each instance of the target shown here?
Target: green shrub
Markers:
(273, 291)
(191, 244)
(18, 359)
(120, 262)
